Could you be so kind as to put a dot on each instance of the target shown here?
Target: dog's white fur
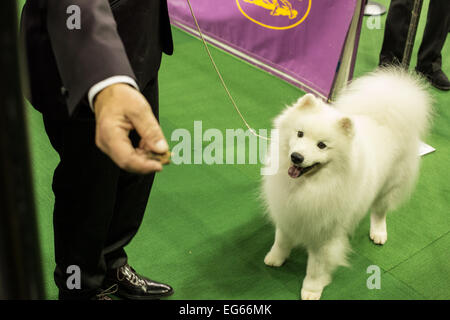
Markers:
(371, 163)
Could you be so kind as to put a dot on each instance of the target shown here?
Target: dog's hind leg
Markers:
(384, 202)
(378, 229)
(398, 188)
(322, 262)
(280, 250)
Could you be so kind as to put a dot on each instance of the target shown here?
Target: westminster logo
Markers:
(276, 8)
(275, 14)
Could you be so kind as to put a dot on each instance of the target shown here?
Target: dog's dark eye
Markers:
(300, 134)
(321, 145)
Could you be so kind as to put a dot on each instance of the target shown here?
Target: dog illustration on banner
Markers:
(276, 9)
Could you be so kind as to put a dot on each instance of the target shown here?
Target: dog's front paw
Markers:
(378, 236)
(310, 295)
(274, 259)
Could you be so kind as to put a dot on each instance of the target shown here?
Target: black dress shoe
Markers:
(132, 286)
(438, 79)
(104, 294)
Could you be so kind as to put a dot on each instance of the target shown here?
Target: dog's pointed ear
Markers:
(307, 101)
(346, 125)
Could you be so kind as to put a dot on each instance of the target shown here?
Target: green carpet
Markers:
(204, 231)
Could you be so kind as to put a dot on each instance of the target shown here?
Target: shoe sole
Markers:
(135, 297)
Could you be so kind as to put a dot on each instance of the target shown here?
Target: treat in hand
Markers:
(164, 158)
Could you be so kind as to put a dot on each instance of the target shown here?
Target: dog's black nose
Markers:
(296, 158)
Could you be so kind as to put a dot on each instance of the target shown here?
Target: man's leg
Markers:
(429, 59)
(396, 31)
(131, 200)
(84, 185)
(133, 191)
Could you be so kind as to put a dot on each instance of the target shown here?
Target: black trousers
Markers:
(429, 57)
(98, 207)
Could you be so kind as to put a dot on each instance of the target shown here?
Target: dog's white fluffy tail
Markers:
(392, 97)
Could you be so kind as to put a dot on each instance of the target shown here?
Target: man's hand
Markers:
(119, 109)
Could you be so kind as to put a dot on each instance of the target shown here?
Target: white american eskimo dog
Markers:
(337, 162)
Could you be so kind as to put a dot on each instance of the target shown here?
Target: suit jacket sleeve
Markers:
(87, 55)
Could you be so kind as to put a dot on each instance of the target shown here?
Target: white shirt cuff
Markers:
(95, 89)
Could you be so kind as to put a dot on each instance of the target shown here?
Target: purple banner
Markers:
(301, 41)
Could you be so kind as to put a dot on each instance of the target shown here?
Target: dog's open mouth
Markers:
(296, 171)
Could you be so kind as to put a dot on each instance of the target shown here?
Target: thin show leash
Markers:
(220, 76)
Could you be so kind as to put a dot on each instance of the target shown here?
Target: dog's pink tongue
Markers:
(294, 172)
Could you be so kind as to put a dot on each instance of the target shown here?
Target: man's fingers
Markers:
(128, 159)
(121, 151)
(141, 164)
(146, 125)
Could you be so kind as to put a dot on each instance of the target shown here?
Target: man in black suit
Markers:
(429, 58)
(96, 85)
